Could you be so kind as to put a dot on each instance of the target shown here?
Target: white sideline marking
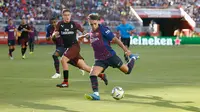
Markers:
(120, 81)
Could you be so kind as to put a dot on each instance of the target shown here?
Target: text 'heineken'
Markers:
(151, 41)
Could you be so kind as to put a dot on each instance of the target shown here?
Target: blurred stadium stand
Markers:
(40, 11)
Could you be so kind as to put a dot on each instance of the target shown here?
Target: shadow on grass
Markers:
(33, 105)
(157, 101)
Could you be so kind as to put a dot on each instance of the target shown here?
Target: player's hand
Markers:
(128, 53)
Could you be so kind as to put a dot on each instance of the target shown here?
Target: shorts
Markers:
(126, 41)
(11, 42)
(60, 50)
(73, 53)
(113, 61)
(24, 41)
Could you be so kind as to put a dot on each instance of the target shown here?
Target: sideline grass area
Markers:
(165, 79)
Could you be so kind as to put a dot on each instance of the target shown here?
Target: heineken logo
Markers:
(151, 41)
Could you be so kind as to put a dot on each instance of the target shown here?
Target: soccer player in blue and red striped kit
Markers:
(105, 56)
(12, 35)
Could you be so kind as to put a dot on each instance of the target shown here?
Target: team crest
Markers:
(72, 26)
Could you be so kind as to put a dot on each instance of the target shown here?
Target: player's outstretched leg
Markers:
(131, 62)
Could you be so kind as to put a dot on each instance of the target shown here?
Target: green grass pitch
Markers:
(165, 79)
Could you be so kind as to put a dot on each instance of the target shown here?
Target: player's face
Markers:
(54, 22)
(94, 24)
(23, 21)
(10, 22)
(123, 21)
(66, 16)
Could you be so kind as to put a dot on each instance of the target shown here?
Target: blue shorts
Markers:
(11, 42)
(60, 50)
(113, 61)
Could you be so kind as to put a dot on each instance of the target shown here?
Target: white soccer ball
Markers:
(117, 93)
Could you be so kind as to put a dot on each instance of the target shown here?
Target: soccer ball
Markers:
(117, 93)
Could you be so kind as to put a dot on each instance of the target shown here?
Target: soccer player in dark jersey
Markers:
(105, 56)
(24, 29)
(12, 35)
(66, 30)
(31, 39)
(59, 46)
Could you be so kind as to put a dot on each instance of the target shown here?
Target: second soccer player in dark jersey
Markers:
(59, 46)
(66, 30)
(24, 29)
(105, 56)
(12, 32)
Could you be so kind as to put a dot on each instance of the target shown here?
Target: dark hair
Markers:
(51, 20)
(94, 16)
(65, 10)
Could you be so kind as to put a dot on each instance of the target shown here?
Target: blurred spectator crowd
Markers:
(110, 10)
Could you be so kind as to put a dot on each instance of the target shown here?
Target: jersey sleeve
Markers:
(79, 27)
(107, 33)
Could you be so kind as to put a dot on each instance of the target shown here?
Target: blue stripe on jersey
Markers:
(107, 37)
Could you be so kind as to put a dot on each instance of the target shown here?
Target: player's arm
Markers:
(56, 33)
(110, 36)
(28, 29)
(120, 44)
(15, 32)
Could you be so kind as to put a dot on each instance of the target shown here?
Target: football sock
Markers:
(65, 74)
(96, 93)
(94, 83)
(30, 47)
(56, 63)
(10, 52)
(23, 50)
(130, 65)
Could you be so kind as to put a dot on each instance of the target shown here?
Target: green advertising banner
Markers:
(165, 41)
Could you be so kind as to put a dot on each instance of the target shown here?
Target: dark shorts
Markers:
(60, 50)
(73, 53)
(11, 42)
(24, 41)
(126, 41)
(113, 61)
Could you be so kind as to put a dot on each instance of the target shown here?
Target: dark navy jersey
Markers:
(68, 32)
(11, 32)
(24, 34)
(50, 30)
(100, 42)
(57, 41)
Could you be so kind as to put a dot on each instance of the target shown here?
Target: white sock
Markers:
(96, 93)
